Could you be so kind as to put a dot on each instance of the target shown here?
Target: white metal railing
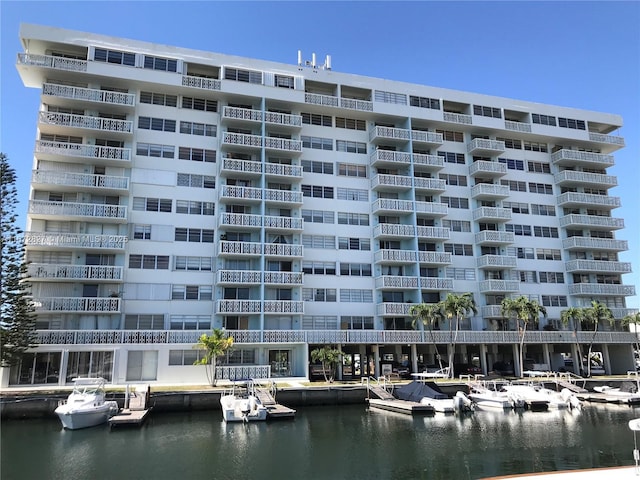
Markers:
(51, 61)
(356, 104)
(283, 306)
(564, 155)
(484, 167)
(585, 177)
(244, 193)
(426, 137)
(595, 243)
(395, 256)
(246, 166)
(503, 261)
(83, 151)
(497, 237)
(282, 250)
(284, 144)
(239, 248)
(391, 181)
(432, 208)
(591, 221)
(389, 133)
(201, 82)
(237, 113)
(517, 126)
(394, 309)
(88, 94)
(395, 281)
(499, 286)
(601, 289)
(77, 304)
(75, 240)
(111, 125)
(597, 266)
(242, 372)
(392, 204)
(284, 223)
(457, 118)
(238, 306)
(72, 179)
(602, 138)
(437, 258)
(283, 278)
(490, 190)
(433, 184)
(390, 156)
(393, 229)
(491, 311)
(497, 213)
(435, 283)
(285, 119)
(439, 233)
(44, 207)
(485, 144)
(241, 219)
(588, 199)
(242, 139)
(283, 170)
(318, 99)
(435, 161)
(71, 272)
(239, 276)
(282, 196)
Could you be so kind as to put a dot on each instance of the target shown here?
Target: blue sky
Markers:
(578, 54)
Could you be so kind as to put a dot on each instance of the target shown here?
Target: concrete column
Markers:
(362, 349)
(517, 371)
(483, 358)
(376, 359)
(546, 355)
(414, 358)
(606, 361)
(576, 359)
(339, 367)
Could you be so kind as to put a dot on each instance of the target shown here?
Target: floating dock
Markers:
(136, 408)
(274, 409)
(386, 401)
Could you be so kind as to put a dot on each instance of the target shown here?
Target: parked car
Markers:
(466, 369)
(403, 371)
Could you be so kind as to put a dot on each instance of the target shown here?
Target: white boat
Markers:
(428, 393)
(486, 398)
(626, 393)
(86, 406)
(241, 404)
(531, 395)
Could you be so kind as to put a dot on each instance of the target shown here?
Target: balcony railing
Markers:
(318, 99)
(72, 179)
(48, 271)
(571, 177)
(109, 125)
(201, 82)
(389, 157)
(575, 157)
(79, 241)
(389, 133)
(77, 304)
(394, 256)
(242, 139)
(83, 151)
(283, 119)
(498, 214)
(593, 221)
(598, 266)
(240, 193)
(382, 180)
(283, 144)
(457, 118)
(283, 250)
(396, 282)
(432, 208)
(283, 278)
(236, 113)
(69, 209)
(602, 289)
(356, 104)
(282, 196)
(393, 309)
(246, 277)
(238, 306)
(434, 258)
(575, 198)
(602, 138)
(436, 233)
(434, 283)
(496, 261)
(241, 220)
(487, 190)
(51, 61)
(487, 286)
(283, 306)
(89, 94)
(483, 145)
(392, 205)
(491, 311)
(243, 166)
(282, 170)
(517, 126)
(483, 168)
(578, 243)
(431, 138)
(492, 237)
(436, 162)
(393, 230)
(430, 184)
(283, 223)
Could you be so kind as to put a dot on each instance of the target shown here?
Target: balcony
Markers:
(575, 199)
(234, 193)
(486, 191)
(394, 230)
(286, 197)
(383, 206)
(573, 178)
(588, 243)
(242, 140)
(53, 62)
(391, 182)
(241, 115)
(356, 104)
(485, 169)
(281, 250)
(277, 144)
(77, 305)
(430, 162)
(241, 168)
(245, 220)
(499, 286)
(201, 82)
(74, 241)
(588, 289)
(435, 284)
(72, 211)
(395, 257)
(322, 100)
(59, 181)
(427, 138)
(283, 119)
(460, 118)
(388, 158)
(283, 278)
(592, 222)
(491, 214)
(493, 237)
(609, 139)
(66, 123)
(395, 282)
(491, 311)
(283, 307)
(50, 272)
(283, 170)
(245, 249)
(397, 136)
(517, 126)
(101, 97)
(496, 261)
(570, 158)
(429, 184)
(389, 309)
(598, 266)
(46, 150)
(485, 147)
(434, 258)
(285, 224)
(238, 277)
(432, 233)
(432, 209)
(239, 306)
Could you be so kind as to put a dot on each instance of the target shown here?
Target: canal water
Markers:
(345, 442)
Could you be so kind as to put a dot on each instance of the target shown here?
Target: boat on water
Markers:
(428, 393)
(538, 397)
(240, 403)
(626, 393)
(484, 397)
(86, 405)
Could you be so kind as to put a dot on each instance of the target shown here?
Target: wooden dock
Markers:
(274, 409)
(136, 407)
(127, 417)
(608, 398)
(401, 406)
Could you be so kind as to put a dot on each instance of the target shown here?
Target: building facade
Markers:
(175, 191)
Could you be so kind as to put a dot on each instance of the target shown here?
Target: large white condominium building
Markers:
(175, 191)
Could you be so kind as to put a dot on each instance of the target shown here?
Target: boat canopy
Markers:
(416, 391)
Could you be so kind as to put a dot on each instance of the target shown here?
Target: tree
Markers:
(428, 314)
(214, 345)
(635, 319)
(457, 307)
(597, 313)
(329, 357)
(575, 315)
(525, 311)
(17, 318)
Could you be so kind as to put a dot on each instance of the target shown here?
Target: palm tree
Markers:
(635, 319)
(457, 307)
(575, 315)
(596, 314)
(429, 314)
(329, 357)
(525, 311)
(214, 345)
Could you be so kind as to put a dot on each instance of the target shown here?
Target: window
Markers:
(521, 230)
(424, 102)
(514, 185)
(319, 268)
(152, 204)
(317, 167)
(319, 294)
(551, 277)
(538, 167)
(193, 207)
(114, 56)
(319, 241)
(317, 191)
(142, 365)
(185, 357)
(196, 154)
(521, 252)
(202, 129)
(158, 124)
(355, 269)
(158, 63)
(239, 75)
(457, 225)
(194, 235)
(543, 119)
(512, 143)
(155, 150)
(356, 295)
(190, 322)
(142, 232)
(517, 207)
(451, 157)
(454, 180)
(459, 249)
(345, 218)
(317, 119)
(284, 81)
(319, 322)
(571, 123)
(144, 322)
(202, 104)
(548, 254)
(350, 243)
(543, 188)
(353, 194)
(512, 164)
(460, 273)
(487, 111)
(455, 202)
(451, 136)
(317, 143)
(527, 276)
(390, 97)
(546, 232)
(149, 262)
(352, 170)
(351, 123)
(191, 292)
(544, 210)
(554, 300)
(196, 181)
(318, 216)
(535, 146)
(195, 264)
(159, 99)
(60, 138)
(351, 147)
